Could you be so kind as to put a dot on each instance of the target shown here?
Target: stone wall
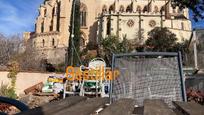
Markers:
(25, 80)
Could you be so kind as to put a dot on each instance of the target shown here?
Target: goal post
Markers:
(148, 75)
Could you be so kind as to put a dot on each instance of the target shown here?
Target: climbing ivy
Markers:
(13, 71)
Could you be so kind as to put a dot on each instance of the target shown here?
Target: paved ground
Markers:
(91, 106)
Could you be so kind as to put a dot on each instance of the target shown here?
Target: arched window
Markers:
(129, 8)
(180, 11)
(112, 8)
(35, 27)
(108, 25)
(156, 9)
(58, 16)
(145, 9)
(53, 12)
(122, 9)
(104, 9)
(174, 11)
(82, 42)
(51, 25)
(53, 42)
(182, 25)
(43, 43)
(42, 27)
(83, 14)
(45, 12)
(162, 9)
(139, 9)
(34, 44)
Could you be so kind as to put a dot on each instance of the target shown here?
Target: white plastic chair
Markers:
(96, 63)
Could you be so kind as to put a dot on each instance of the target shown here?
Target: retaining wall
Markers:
(25, 79)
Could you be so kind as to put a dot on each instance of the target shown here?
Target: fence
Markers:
(195, 88)
(200, 48)
(195, 83)
(195, 56)
(148, 76)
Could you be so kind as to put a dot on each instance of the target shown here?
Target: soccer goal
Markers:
(148, 75)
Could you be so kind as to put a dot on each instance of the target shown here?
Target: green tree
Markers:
(163, 40)
(74, 44)
(114, 45)
(196, 6)
(160, 40)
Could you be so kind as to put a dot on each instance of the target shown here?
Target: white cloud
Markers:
(14, 19)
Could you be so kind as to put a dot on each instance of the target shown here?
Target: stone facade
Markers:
(132, 19)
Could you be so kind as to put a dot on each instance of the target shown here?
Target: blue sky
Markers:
(18, 16)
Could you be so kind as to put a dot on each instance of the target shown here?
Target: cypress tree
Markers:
(77, 35)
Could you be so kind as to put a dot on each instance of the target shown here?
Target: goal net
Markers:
(148, 76)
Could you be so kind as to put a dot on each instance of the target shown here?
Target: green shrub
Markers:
(7, 91)
(12, 76)
(60, 67)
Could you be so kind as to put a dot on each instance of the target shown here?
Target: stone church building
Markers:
(131, 19)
